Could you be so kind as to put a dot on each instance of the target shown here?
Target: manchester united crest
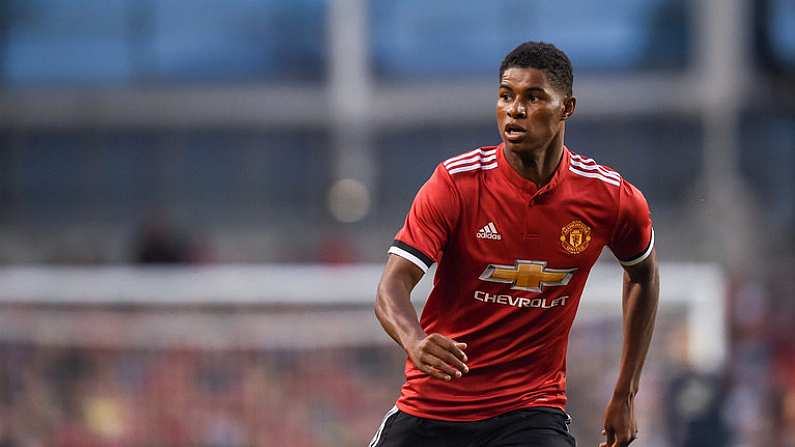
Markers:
(575, 237)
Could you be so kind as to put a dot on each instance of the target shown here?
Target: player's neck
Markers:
(539, 165)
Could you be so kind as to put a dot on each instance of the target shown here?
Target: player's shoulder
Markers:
(593, 174)
(470, 163)
(597, 177)
(459, 174)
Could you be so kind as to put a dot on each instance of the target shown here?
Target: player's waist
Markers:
(469, 404)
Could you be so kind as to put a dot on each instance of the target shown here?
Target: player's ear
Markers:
(569, 104)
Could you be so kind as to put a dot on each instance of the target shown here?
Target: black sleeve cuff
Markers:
(411, 254)
(641, 256)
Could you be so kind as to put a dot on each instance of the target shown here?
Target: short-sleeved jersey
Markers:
(512, 263)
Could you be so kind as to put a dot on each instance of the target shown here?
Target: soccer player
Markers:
(514, 229)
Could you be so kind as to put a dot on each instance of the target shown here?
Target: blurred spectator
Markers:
(337, 250)
(784, 393)
(160, 242)
(695, 410)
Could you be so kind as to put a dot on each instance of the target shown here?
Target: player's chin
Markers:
(518, 146)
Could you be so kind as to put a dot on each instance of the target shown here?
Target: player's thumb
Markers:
(460, 345)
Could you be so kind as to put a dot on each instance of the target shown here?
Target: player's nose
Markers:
(517, 110)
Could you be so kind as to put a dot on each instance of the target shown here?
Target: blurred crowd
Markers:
(72, 397)
(83, 396)
(762, 364)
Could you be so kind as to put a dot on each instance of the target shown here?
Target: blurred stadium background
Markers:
(195, 197)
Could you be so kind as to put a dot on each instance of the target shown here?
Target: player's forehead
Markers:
(525, 78)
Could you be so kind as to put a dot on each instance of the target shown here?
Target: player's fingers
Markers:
(458, 349)
(427, 368)
(453, 361)
(439, 364)
(435, 373)
(449, 358)
(450, 345)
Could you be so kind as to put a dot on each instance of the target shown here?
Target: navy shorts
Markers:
(536, 427)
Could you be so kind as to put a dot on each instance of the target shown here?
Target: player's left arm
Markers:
(640, 295)
(632, 242)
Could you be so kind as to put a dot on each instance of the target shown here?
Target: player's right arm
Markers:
(432, 218)
(434, 354)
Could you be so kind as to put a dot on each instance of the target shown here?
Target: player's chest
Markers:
(563, 232)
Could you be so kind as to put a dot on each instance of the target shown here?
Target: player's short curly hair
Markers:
(543, 56)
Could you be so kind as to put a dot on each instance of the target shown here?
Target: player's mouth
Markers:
(514, 132)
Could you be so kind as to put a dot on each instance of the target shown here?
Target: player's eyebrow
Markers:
(534, 88)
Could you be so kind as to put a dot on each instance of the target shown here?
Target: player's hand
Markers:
(439, 356)
(620, 426)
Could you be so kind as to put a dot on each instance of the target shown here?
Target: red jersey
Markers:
(512, 263)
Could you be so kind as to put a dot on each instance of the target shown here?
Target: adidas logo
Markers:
(489, 232)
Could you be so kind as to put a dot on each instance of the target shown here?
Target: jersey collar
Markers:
(526, 185)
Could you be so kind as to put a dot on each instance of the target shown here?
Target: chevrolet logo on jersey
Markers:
(527, 275)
